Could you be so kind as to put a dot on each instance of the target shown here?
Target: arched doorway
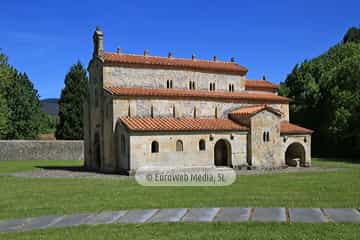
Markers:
(222, 153)
(295, 153)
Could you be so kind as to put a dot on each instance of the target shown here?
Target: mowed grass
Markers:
(196, 231)
(23, 197)
(26, 165)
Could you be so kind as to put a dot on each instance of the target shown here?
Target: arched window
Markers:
(232, 87)
(129, 111)
(211, 87)
(216, 112)
(267, 137)
(174, 112)
(202, 146)
(179, 146)
(193, 85)
(122, 143)
(154, 147)
(229, 87)
(152, 111)
(190, 85)
(264, 136)
(171, 84)
(194, 112)
(167, 84)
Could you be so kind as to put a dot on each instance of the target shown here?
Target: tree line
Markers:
(20, 110)
(325, 93)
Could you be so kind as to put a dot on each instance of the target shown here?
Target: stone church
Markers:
(145, 110)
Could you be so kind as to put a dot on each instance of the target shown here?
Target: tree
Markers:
(326, 98)
(70, 124)
(24, 108)
(352, 35)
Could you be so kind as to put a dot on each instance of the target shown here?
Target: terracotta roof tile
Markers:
(181, 124)
(261, 85)
(289, 128)
(251, 110)
(197, 94)
(179, 63)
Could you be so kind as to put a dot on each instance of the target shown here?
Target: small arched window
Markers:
(267, 137)
(229, 87)
(122, 143)
(152, 111)
(179, 146)
(171, 84)
(193, 85)
(167, 84)
(264, 136)
(202, 146)
(211, 87)
(154, 147)
(194, 112)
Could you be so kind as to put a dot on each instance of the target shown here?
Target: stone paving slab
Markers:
(72, 220)
(13, 225)
(343, 214)
(138, 216)
(233, 215)
(41, 222)
(306, 215)
(169, 215)
(269, 215)
(200, 215)
(105, 217)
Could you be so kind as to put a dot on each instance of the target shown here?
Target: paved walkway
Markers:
(310, 215)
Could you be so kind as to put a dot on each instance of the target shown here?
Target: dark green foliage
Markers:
(352, 35)
(71, 104)
(20, 116)
(49, 123)
(326, 94)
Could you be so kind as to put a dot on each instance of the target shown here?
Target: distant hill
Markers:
(50, 106)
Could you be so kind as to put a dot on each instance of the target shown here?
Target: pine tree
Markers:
(70, 124)
(24, 118)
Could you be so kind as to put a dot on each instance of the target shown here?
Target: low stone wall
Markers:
(41, 150)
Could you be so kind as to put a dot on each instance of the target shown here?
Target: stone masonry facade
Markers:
(168, 112)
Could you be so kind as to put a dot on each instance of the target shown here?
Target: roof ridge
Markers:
(173, 58)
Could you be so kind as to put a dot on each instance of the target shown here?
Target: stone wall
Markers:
(157, 78)
(141, 107)
(141, 155)
(41, 150)
(265, 153)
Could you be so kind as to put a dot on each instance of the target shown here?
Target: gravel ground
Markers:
(82, 173)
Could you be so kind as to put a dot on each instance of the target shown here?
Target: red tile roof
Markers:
(178, 63)
(261, 85)
(181, 124)
(289, 128)
(196, 94)
(252, 110)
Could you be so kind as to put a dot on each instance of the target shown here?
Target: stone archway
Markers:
(295, 153)
(222, 153)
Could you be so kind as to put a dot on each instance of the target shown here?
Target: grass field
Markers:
(23, 197)
(226, 231)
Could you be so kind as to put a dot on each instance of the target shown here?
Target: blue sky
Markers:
(44, 38)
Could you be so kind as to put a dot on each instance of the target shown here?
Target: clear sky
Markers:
(44, 38)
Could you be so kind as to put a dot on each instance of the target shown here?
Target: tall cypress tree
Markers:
(71, 104)
(20, 112)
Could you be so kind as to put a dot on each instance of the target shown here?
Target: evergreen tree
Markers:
(25, 114)
(352, 35)
(70, 124)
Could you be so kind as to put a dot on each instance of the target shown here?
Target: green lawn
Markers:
(21, 197)
(197, 231)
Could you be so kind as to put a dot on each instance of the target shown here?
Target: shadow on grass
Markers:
(338, 160)
(75, 169)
